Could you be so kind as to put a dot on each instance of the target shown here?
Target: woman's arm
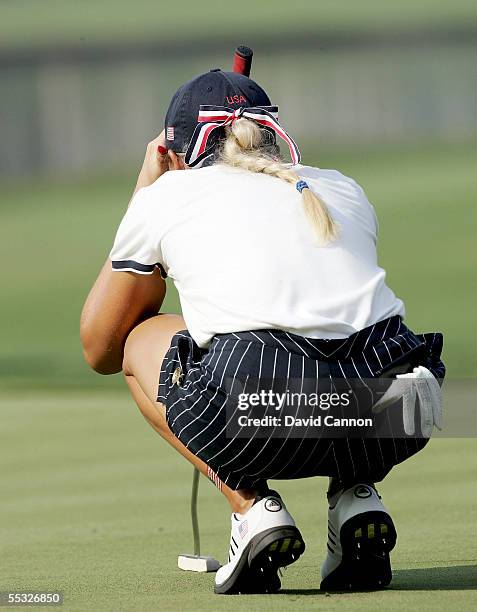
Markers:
(119, 301)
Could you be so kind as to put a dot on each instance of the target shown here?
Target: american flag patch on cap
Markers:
(170, 133)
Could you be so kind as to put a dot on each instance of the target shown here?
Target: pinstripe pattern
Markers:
(196, 414)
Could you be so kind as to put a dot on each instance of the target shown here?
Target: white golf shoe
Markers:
(360, 536)
(262, 540)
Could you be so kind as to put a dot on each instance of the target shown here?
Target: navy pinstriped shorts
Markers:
(192, 388)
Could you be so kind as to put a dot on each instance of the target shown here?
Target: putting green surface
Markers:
(94, 504)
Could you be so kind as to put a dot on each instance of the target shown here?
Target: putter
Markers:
(196, 562)
(242, 64)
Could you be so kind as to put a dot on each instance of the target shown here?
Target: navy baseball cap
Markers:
(215, 87)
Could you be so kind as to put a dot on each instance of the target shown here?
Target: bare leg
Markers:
(144, 352)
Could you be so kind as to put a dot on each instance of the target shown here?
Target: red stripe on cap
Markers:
(283, 134)
(205, 118)
(205, 136)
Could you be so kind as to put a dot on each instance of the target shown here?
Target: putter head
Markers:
(197, 563)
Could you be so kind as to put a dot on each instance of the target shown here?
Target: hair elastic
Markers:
(301, 185)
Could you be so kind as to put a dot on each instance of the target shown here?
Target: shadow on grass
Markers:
(452, 578)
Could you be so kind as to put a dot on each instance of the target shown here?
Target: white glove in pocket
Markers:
(420, 388)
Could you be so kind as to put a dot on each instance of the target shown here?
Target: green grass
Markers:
(93, 503)
(56, 236)
(27, 23)
(89, 507)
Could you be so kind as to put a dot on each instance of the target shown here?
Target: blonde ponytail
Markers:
(246, 147)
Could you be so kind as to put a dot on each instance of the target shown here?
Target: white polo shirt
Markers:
(244, 256)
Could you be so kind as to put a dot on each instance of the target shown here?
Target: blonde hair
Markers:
(245, 146)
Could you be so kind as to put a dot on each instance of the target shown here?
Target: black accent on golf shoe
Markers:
(257, 569)
(366, 541)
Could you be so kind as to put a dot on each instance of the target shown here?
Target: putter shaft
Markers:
(193, 512)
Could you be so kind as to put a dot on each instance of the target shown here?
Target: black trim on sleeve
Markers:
(130, 264)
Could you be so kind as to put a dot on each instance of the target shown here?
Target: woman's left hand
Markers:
(156, 162)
